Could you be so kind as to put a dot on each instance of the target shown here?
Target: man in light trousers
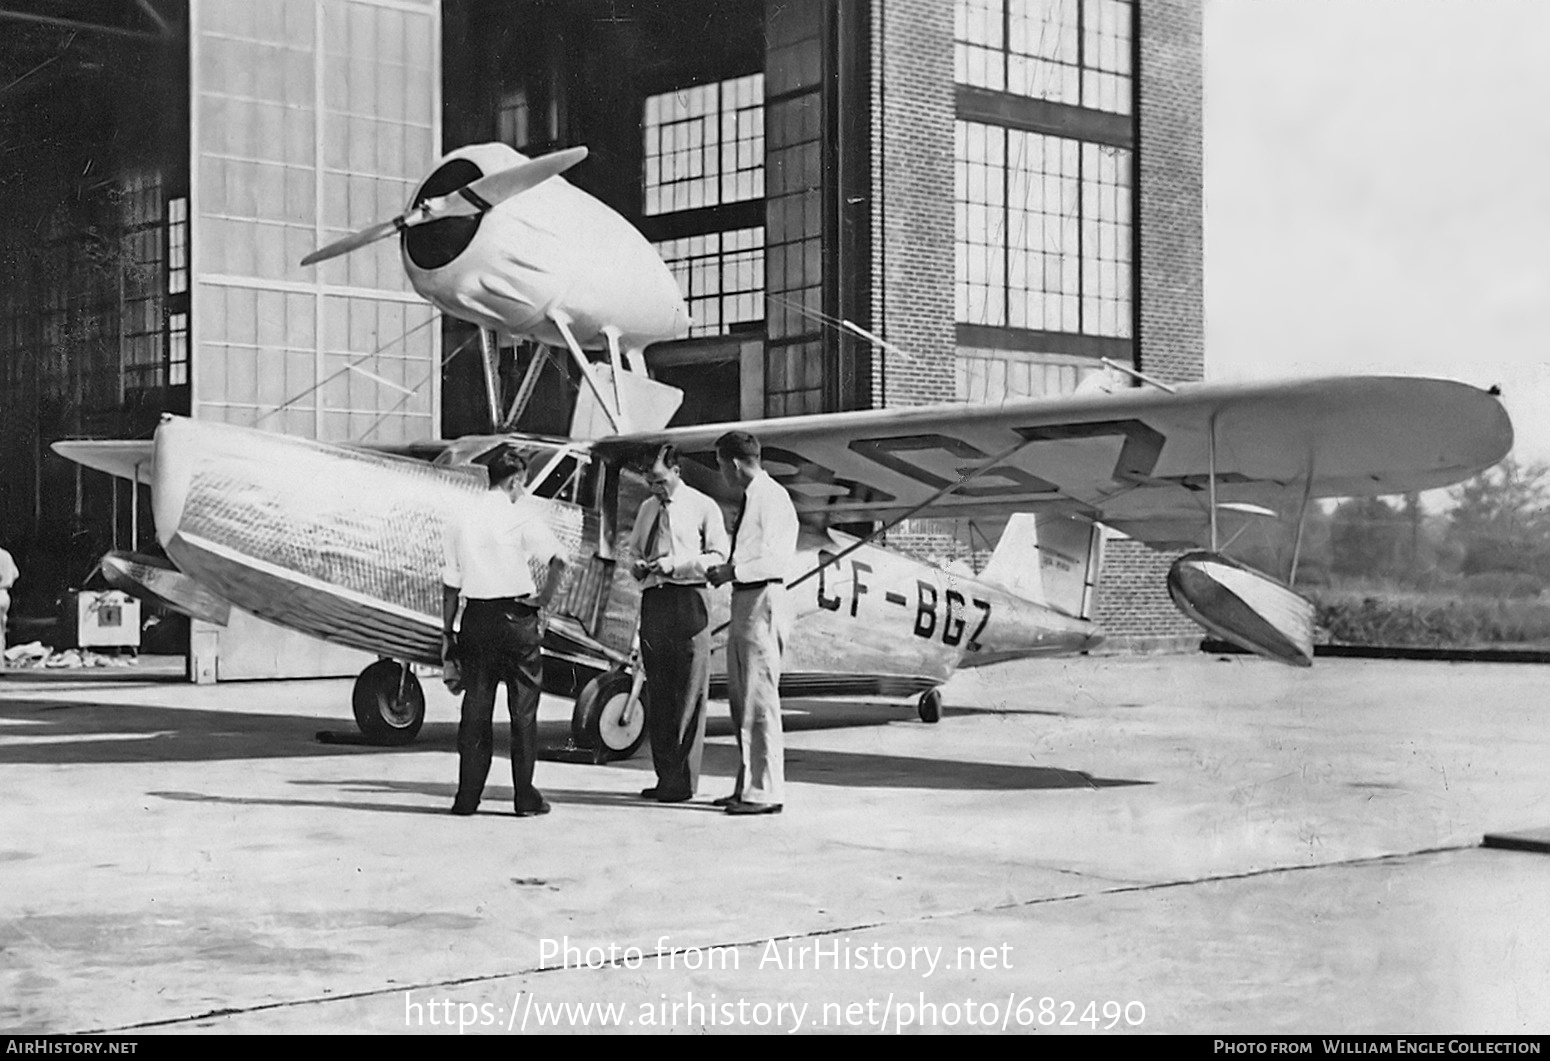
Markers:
(764, 542)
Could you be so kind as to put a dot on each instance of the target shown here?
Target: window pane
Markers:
(704, 145)
(721, 276)
(1043, 48)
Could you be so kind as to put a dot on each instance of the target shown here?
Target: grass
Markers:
(1387, 616)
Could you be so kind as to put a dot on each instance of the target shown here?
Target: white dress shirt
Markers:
(487, 547)
(766, 540)
(691, 536)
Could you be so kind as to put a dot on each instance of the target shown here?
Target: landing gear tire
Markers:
(598, 721)
(389, 704)
(929, 707)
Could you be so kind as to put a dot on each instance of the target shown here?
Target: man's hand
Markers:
(719, 575)
(640, 569)
(448, 645)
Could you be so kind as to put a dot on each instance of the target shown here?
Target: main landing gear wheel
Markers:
(388, 702)
(929, 706)
(599, 721)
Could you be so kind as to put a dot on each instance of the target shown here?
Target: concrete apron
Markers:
(1187, 843)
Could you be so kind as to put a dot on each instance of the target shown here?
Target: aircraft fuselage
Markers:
(345, 545)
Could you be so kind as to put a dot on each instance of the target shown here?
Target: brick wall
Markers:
(1172, 306)
(939, 542)
(913, 257)
(912, 196)
(1133, 602)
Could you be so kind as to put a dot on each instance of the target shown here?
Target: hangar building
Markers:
(1007, 190)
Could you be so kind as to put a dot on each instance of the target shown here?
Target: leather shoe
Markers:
(542, 808)
(726, 801)
(462, 810)
(674, 797)
(649, 793)
(754, 808)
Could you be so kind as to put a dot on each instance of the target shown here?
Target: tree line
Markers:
(1491, 538)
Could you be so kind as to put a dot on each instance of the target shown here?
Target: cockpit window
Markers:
(571, 478)
(551, 471)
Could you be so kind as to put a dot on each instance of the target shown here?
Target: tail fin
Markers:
(1065, 573)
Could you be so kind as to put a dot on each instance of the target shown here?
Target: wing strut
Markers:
(563, 324)
(134, 511)
(933, 499)
(615, 362)
(1211, 475)
(1138, 374)
(884, 528)
(1302, 521)
(489, 352)
(529, 382)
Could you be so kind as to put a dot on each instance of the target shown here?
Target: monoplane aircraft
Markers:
(343, 541)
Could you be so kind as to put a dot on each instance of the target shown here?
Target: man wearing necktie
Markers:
(764, 546)
(678, 535)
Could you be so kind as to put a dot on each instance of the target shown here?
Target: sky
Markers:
(1377, 194)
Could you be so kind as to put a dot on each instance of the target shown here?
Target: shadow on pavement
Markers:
(45, 732)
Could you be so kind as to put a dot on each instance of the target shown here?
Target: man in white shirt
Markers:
(487, 548)
(764, 544)
(679, 535)
(8, 576)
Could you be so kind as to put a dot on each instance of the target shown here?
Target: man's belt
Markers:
(676, 585)
(759, 584)
(501, 602)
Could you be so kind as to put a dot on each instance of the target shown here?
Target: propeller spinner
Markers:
(474, 198)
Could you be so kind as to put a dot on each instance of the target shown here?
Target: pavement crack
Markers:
(1125, 889)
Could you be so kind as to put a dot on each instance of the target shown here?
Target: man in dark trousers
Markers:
(679, 534)
(487, 550)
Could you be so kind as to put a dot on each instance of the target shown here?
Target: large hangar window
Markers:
(705, 145)
(1066, 51)
(703, 205)
(994, 375)
(1043, 193)
(177, 349)
(152, 280)
(142, 346)
(721, 275)
(1043, 232)
(177, 245)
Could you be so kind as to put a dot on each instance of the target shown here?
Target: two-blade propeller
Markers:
(475, 197)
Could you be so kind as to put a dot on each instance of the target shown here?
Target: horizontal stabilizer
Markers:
(126, 458)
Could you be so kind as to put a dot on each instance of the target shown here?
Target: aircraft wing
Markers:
(126, 458)
(1137, 460)
(120, 456)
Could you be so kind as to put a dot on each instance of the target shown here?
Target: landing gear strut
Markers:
(388, 702)
(610, 716)
(929, 706)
